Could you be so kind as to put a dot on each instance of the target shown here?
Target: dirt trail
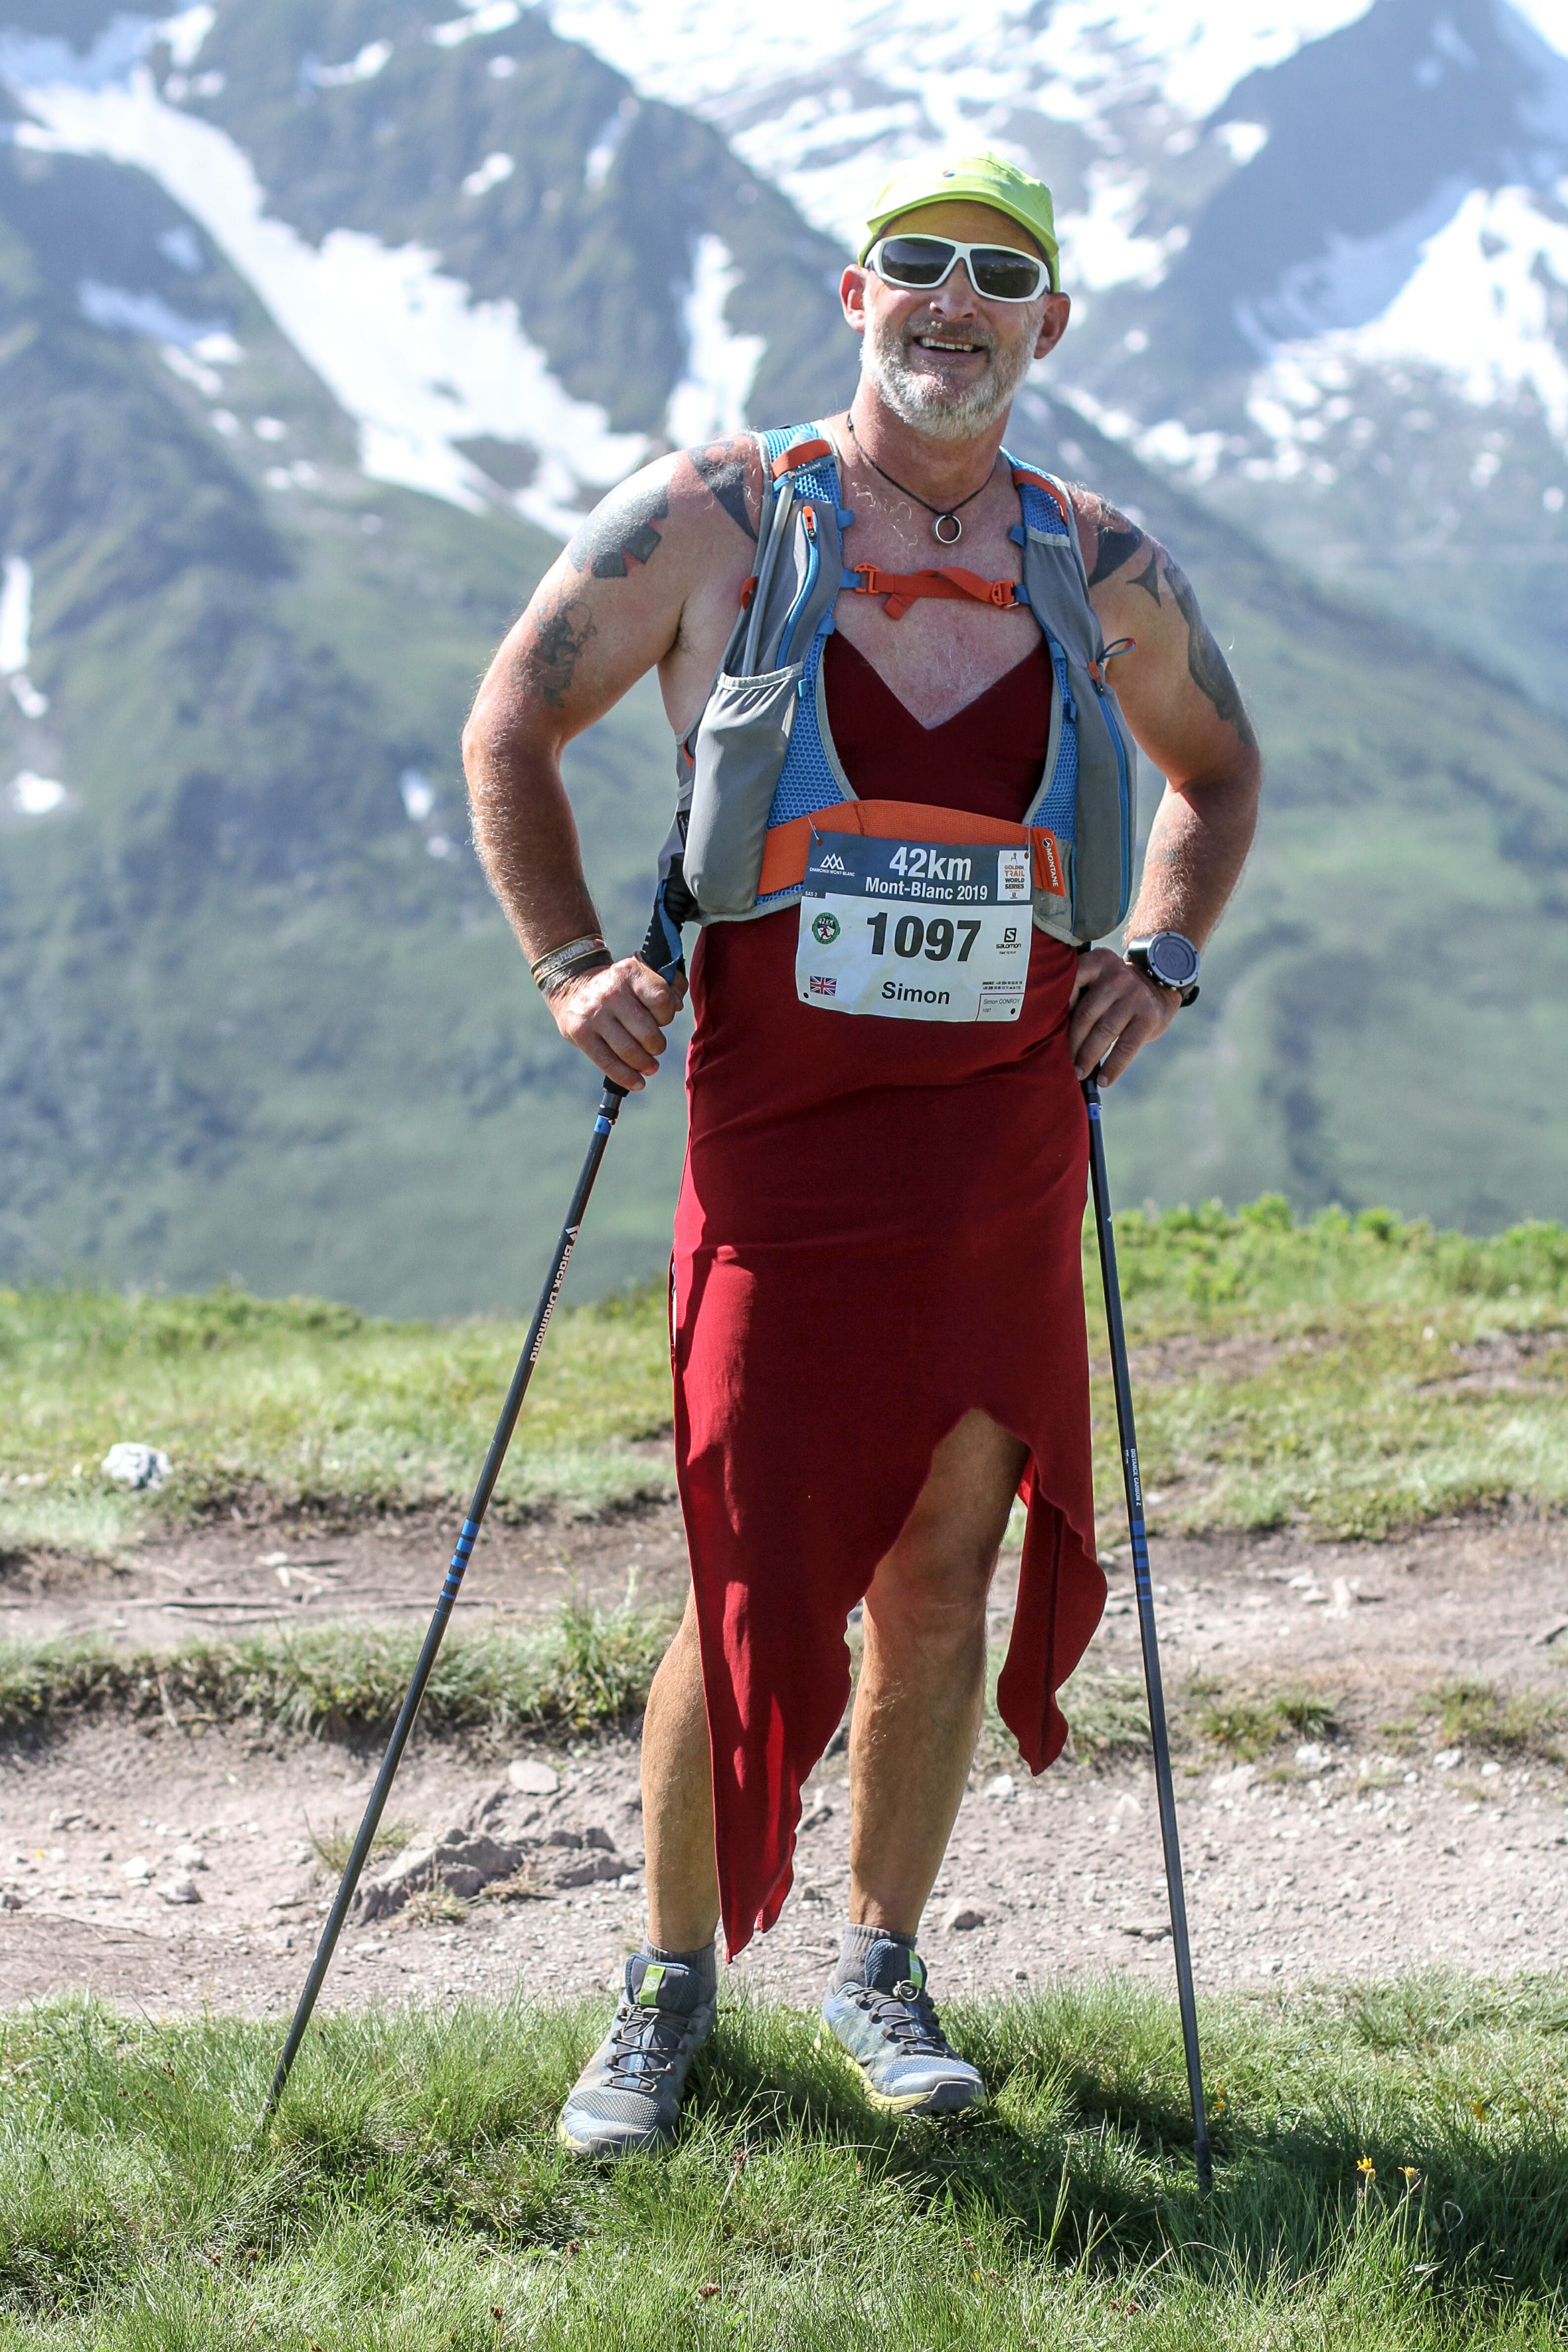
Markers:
(1371, 1851)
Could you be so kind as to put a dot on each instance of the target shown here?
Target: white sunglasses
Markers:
(997, 272)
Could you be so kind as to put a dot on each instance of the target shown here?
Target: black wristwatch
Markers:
(1170, 959)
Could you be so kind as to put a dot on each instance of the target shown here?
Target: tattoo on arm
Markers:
(1149, 579)
(1115, 540)
(620, 530)
(722, 468)
(546, 664)
(1207, 666)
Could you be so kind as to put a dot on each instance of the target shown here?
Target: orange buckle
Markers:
(805, 452)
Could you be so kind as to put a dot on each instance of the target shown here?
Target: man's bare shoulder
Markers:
(1109, 539)
(702, 502)
(1130, 571)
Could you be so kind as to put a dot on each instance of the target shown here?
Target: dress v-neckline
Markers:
(964, 710)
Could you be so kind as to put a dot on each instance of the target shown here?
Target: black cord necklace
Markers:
(942, 514)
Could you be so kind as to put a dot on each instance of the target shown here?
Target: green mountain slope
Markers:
(1385, 1015)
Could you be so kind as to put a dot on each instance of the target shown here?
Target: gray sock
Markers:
(702, 1964)
(853, 1950)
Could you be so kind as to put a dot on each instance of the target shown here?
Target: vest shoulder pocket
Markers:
(741, 743)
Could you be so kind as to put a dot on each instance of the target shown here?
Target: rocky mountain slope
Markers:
(1319, 248)
(319, 325)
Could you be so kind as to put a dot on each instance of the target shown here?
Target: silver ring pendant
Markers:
(947, 537)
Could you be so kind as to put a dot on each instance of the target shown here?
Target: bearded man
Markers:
(877, 1313)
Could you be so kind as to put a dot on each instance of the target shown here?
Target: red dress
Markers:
(878, 1228)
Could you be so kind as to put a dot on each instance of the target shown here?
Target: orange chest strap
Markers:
(902, 588)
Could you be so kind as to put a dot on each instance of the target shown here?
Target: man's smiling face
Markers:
(948, 361)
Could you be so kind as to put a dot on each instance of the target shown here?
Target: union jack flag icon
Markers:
(823, 985)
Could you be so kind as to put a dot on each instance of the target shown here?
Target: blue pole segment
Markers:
(1153, 1683)
(609, 1111)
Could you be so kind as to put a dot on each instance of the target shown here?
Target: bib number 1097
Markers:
(914, 930)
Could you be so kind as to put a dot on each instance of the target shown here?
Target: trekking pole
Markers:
(609, 1109)
(1152, 1683)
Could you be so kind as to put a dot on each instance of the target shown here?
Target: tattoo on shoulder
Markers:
(1208, 668)
(621, 530)
(722, 468)
(1148, 580)
(547, 664)
(1116, 539)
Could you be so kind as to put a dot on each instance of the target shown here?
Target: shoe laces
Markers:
(908, 2016)
(644, 2045)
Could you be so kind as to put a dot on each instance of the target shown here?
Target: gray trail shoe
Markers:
(629, 2095)
(889, 2030)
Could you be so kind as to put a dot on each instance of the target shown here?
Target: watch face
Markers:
(1173, 959)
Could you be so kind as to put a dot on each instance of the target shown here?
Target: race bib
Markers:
(915, 931)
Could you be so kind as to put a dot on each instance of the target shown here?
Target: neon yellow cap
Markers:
(986, 178)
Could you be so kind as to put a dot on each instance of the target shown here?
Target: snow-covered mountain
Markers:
(1319, 248)
(398, 209)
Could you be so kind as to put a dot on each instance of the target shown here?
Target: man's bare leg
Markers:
(677, 1799)
(922, 1683)
(917, 1711)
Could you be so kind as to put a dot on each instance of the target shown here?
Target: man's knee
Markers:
(935, 1581)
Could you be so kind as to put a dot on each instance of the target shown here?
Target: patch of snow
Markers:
(27, 699)
(601, 156)
(180, 246)
(418, 794)
(224, 421)
(1498, 264)
(1354, 282)
(16, 615)
(709, 402)
(120, 312)
(362, 67)
(119, 48)
(489, 174)
(1106, 249)
(1170, 444)
(501, 68)
(1477, 305)
(206, 380)
(269, 429)
(34, 795)
(494, 18)
(891, 79)
(404, 349)
(185, 34)
(1242, 140)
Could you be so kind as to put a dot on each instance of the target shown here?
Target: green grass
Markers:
(1249, 1728)
(1511, 1723)
(1392, 2176)
(307, 1405)
(1348, 1413)
(586, 1670)
(1319, 1374)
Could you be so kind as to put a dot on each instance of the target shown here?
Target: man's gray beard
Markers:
(923, 403)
